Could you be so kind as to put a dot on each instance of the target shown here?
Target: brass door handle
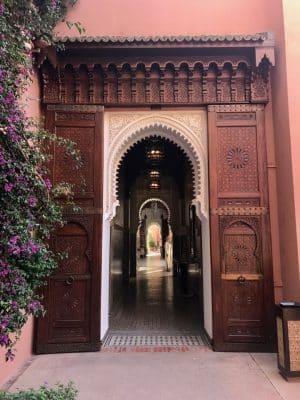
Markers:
(241, 280)
(70, 280)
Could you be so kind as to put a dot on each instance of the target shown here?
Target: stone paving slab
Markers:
(163, 376)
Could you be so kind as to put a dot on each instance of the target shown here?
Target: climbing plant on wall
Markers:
(29, 207)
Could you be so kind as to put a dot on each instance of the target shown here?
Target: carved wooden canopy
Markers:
(141, 71)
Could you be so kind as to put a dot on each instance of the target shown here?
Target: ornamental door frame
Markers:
(188, 130)
(154, 85)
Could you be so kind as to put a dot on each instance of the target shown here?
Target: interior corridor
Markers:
(154, 302)
(155, 224)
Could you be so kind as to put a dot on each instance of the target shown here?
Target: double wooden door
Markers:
(72, 294)
(240, 233)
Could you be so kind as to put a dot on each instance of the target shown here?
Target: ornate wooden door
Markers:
(72, 294)
(240, 232)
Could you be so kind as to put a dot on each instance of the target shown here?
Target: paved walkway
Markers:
(153, 302)
(201, 375)
(153, 305)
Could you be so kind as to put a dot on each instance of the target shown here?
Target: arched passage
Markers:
(153, 238)
(187, 131)
(154, 199)
(163, 220)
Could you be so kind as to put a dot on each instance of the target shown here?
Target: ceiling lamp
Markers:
(154, 174)
(155, 151)
(154, 185)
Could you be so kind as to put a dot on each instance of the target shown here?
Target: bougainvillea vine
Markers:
(29, 209)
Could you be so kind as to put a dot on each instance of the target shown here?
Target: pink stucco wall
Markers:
(10, 369)
(24, 347)
(291, 14)
(169, 17)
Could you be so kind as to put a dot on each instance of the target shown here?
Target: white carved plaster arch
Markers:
(159, 201)
(187, 129)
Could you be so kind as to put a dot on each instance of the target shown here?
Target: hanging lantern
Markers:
(154, 174)
(154, 185)
(155, 151)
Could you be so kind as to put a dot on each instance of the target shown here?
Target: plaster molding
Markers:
(157, 200)
(186, 129)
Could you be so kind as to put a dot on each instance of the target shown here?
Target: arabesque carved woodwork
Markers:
(239, 227)
(141, 81)
(72, 294)
(226, 79)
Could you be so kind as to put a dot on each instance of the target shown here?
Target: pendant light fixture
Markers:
(154, 174)
(155, 151)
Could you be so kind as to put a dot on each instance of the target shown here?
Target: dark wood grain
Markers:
(72, 294)
(240, 232)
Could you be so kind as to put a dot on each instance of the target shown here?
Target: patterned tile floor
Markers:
(154, 340)
(153, 312)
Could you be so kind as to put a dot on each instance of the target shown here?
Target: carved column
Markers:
(183, 84)
(167, 84)
(125, 83)
(147, 78)
(51, 85)
(141, 84)
(199, 88)
(76, 78)
(259, 85)
(91, 96)
(84, 84)
(61, 83)
(233, 85)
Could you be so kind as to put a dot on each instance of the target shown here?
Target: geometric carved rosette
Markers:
(237, 159)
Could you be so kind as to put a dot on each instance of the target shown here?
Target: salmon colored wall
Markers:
(289, 250)
(24, 348)
(291, 18)
(173, 17)
(23, 353)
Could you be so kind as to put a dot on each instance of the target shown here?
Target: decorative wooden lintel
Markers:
(184, 82)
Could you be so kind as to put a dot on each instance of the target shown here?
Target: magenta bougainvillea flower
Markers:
(28, 209)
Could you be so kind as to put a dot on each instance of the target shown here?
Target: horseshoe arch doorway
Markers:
(126, 190)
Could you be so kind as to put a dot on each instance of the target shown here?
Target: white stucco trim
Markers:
(188, 130)
(157, 200)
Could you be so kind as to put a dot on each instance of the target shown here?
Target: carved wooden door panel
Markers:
(72, 294)
(240, 232)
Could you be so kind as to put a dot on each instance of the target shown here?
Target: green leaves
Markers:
(59, 392)
(30, 208)
(77, 25)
